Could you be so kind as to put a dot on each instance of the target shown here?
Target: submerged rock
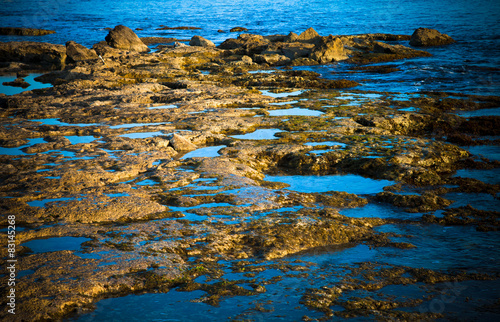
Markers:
(238, 29)
(77, 52)
(14, 31)
(18, 82)
(122, 37)
(429, 37)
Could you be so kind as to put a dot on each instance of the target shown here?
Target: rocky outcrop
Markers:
(18, 82)
(12, 31)
(77, 52)
(310, 36)
(201, 42)
(328, 49)
(429, 37)
(122, 37)
(30, 52)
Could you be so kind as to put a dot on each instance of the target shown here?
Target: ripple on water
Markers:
(349, 183)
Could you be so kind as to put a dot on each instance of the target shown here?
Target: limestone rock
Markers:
(328, 49)
(12, 31)
(291, 37)
(180, 143)
(271, 59)
(122, 37)
(33, 52)
(200, 41)
(429, 37)
(77, 52)
(309, 36)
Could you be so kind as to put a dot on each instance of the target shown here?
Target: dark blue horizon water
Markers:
(470, 66)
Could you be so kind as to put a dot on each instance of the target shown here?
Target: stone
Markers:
(271, 59)
(122, 37)
(180, 143)
(12, 31)
(238, 29)
(18, 82)
(291, 37)
(429, 37)
(33, 52)
(246, 59)
(201, 42)
(310, 36)
(329, 49)
(77, 52)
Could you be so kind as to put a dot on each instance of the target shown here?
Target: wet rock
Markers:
(122, 37)
(180, 143)
(238, 29)
(200, 41)
(37, 53)
(328, 49)
(18, 82)
(414, 203)
(13, 31)
(429, 37)
(77, 52)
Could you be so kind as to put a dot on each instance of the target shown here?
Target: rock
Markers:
(18, 82)
(200, 41)
(238, 29)
(122, 37)
(180, 143)
(309, 36)
(429, 37)
(157, 40)
(77, 52)
(179, 28)
(271, 59)
(178, 44)
(328, 49)
(247, 44)
(220, 30)
(11, 31)
(291, 37)
(246, 59)
(33, 52)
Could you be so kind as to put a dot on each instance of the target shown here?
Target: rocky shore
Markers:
(108, 154)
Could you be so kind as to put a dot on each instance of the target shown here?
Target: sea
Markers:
(470, 66)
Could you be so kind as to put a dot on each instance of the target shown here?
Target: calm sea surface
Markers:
(469, 66)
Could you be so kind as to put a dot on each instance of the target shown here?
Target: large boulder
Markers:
(77, 52)
(30, 52)
(246, 44)
(13, 31)
(328, 49)
(429, 37)
(201, 42)
(122, 37)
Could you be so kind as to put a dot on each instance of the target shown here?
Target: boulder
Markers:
(429, 37)
(180, 143)
(12, 31)
(328, 49)
(18, 82)
(124, 38)
(238, 29)
(77, 52)
(309, 36)
(291, 37)
(201, 42)
(247, 44)
(44, 54)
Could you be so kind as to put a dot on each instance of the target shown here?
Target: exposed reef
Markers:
(165, 165)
